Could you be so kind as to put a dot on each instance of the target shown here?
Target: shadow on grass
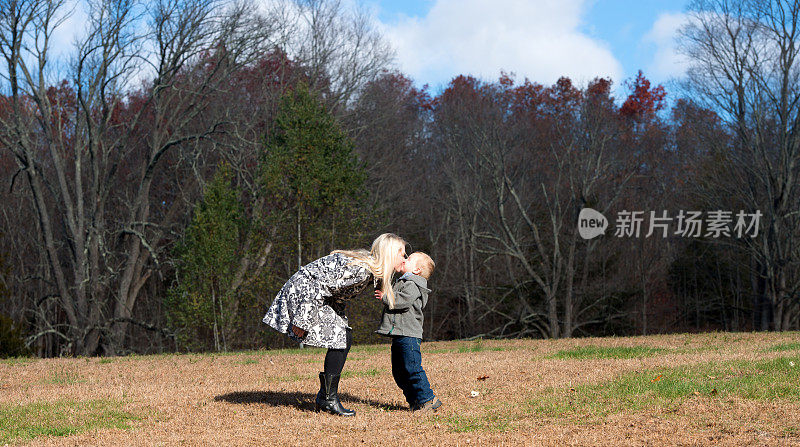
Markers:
(301, 401)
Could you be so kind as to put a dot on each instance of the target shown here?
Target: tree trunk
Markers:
(568, 298)
(643, 285)
(299, 243)
(552, 314)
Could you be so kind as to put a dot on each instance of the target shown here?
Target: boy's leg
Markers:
(419, 389)
(398, 365)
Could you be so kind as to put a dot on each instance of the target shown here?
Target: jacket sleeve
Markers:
(349, 276)
(344, 279)
(404, 296)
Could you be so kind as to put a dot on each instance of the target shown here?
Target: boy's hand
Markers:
(378, 295)
(300, 333)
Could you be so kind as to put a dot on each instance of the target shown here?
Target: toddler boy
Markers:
(404, 324)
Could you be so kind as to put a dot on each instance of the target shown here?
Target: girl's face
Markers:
(400, 259)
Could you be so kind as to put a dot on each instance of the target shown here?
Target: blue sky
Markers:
(538, 39)
(541, 40)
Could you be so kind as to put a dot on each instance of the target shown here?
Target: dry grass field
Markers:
(708, 389)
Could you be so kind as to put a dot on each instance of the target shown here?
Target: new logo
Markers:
(591, 223)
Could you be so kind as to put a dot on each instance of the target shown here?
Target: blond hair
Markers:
(425, 264)
(380, 260)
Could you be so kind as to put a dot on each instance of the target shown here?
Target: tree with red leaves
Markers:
(643, 102)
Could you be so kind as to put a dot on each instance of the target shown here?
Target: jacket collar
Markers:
(418, 280)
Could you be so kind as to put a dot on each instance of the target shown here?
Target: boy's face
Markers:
(410, 265)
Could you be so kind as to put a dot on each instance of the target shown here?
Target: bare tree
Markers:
(91, 156)
(520, 163)
(339, 45)
(744, 66)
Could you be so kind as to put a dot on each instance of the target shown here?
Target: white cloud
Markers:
(666, 62)
(539, 39)
(73, 27)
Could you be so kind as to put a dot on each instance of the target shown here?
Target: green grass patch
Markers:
(19, 423)
(463, 424)
(666, 388)
(783, 347)
(296, 351)
(105, 360)
(613, 352)
(345, 375)
(293, 377)
(362, 373)
(63, 377)
(441, 351)
(247, 361)
(191, 356)
(321, 360)
(699, 349)
(368, 349)
(235, 353)
(17, 361)
(791, 432)
(476, 346)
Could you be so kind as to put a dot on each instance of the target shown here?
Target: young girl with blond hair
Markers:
(310, 307)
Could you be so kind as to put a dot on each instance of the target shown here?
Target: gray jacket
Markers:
(410, 297)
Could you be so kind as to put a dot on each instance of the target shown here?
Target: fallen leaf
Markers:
(711, 377)
(657, 378)
(696, 393)
(483, 377)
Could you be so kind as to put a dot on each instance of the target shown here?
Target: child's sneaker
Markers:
(431, 405)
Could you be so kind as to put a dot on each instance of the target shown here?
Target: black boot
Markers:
(328, 397)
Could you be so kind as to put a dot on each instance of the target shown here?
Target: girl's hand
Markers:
(378, 295)
(300, 333)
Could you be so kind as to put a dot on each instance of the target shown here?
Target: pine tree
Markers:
(201, 307)
(309, 166)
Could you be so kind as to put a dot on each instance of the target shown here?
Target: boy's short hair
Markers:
(425, 264)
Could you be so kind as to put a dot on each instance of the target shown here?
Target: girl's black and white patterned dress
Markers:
(315, 298)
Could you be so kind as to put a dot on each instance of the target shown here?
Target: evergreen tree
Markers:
(202, 307)
(309, 166)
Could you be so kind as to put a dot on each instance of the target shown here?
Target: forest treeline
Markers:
(163, 179)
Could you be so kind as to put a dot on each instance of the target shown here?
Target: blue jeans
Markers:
(407, 370)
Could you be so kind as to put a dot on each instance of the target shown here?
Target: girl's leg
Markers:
(335, 358)
(328, 396)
